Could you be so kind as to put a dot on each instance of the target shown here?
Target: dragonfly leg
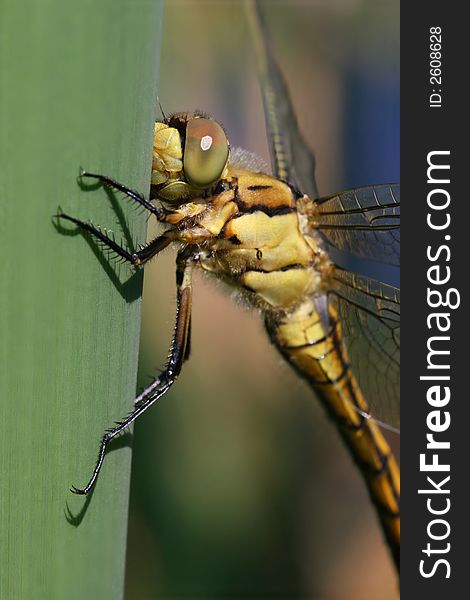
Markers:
(165, 380)
(159, 212)
(135, 258)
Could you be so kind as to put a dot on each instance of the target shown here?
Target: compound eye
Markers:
(205, 152)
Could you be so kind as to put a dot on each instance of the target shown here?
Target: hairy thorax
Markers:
(251, 232)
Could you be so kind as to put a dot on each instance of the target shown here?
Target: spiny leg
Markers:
(136, 258)
(156, 381)
(158, 211)
(165, 380)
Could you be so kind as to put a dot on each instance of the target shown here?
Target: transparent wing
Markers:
(364, 222)
(369, 312)
(291, 158)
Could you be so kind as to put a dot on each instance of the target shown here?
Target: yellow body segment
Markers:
(280, 288)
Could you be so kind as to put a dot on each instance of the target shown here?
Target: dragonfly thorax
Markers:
(248, 232)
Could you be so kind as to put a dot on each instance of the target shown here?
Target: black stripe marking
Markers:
(285, 268)
(245, 208)
(254, 188)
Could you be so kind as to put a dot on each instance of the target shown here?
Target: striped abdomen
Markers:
(311, 341)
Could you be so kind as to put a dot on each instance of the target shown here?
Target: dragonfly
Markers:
(271, 237)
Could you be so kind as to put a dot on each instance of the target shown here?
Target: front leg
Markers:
(162, 383)
(137, 197)
(135, 258)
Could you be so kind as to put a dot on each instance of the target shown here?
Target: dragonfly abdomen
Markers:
(310, 339)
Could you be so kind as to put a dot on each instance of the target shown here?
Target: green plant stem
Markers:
(78, 88)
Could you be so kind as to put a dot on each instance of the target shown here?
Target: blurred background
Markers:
(241, 488)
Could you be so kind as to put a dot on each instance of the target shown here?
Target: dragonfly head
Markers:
(190, 154)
